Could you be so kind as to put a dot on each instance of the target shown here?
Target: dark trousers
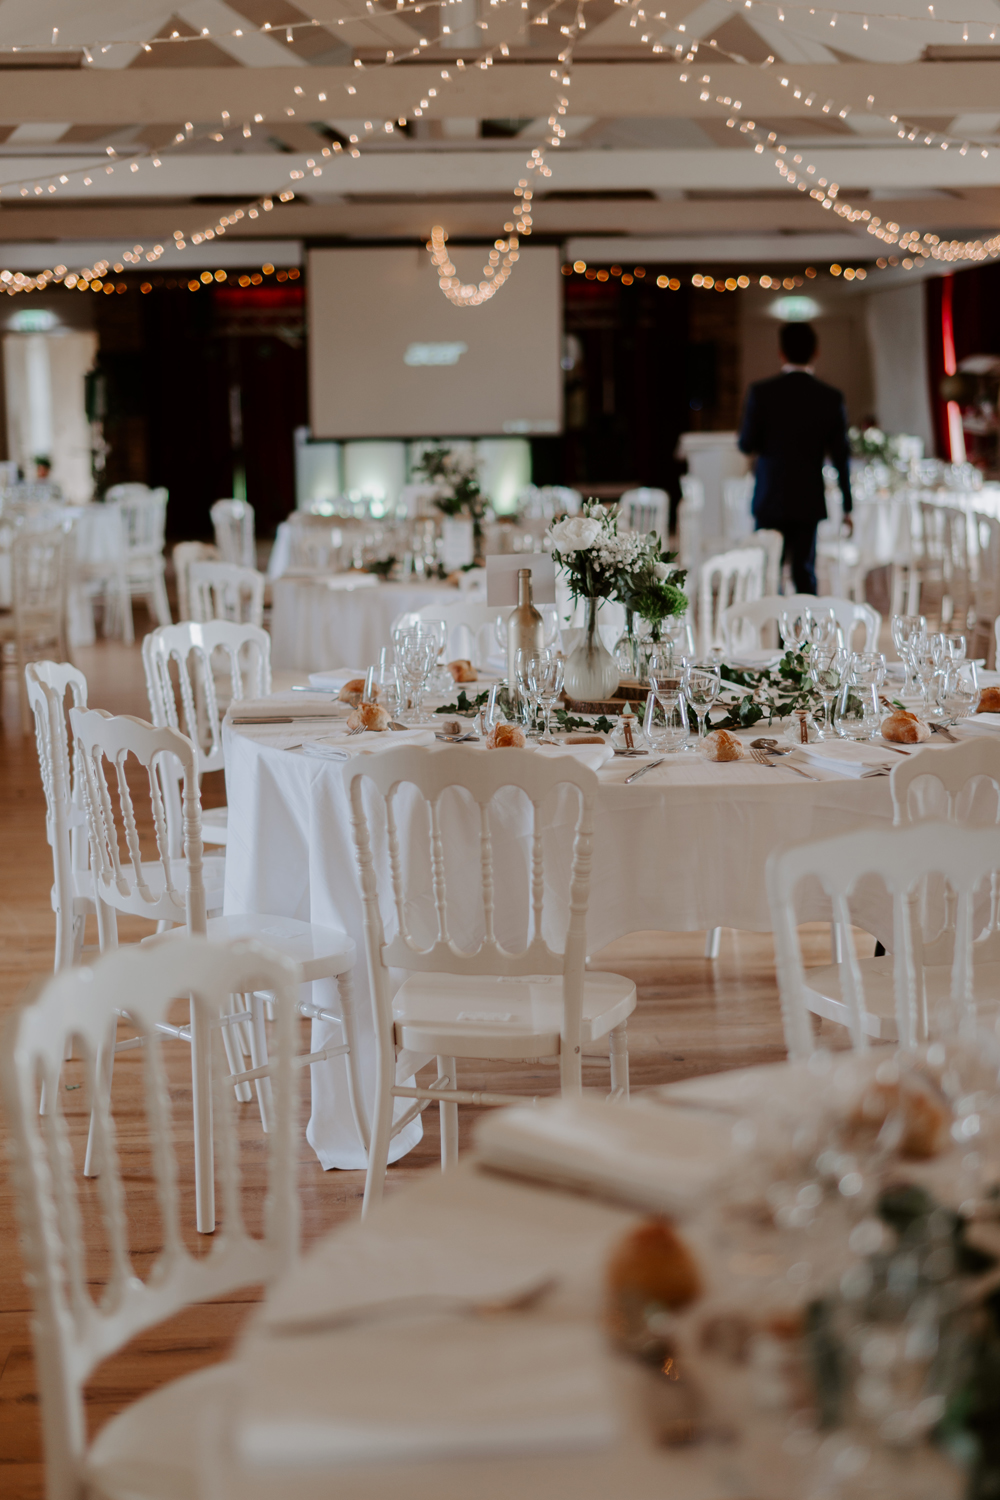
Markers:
(800, 551)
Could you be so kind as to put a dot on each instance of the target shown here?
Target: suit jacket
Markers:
(792, 423)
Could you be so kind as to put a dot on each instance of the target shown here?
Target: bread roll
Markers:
(652, 1265)
(368, 716)
(352, 691)
(989, 701)
(924, 1118)
(505, 737)
(902, 728)
(462, 670)
(721, 745)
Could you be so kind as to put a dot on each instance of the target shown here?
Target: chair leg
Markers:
(128, 628)
(161, 605)
(713, 942)
(201, 1094)
(106, 1063)
(234, 1057)
(378, 1154)
(618, 1054)
(836, 943)
(258, 1059)
(449, 1115)
(355, 1090)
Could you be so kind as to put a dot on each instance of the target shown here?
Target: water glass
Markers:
(957, 646)
(521, 690)
(958, 691)
(416, 654)
(666, 722)
(545, 679)
(858, 715)
(794, 627)
(924, 660)
(826, 666)
(906, 628)
(701, 683)
(822, 628)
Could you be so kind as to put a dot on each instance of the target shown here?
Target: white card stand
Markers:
(502, 571)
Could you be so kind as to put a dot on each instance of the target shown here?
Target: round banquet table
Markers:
(681, 850)
(319, 622)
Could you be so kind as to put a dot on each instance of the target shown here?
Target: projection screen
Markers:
(390, 356)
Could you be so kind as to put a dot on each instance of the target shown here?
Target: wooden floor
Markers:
(693, 1017)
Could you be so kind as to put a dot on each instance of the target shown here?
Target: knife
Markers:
(651, 766)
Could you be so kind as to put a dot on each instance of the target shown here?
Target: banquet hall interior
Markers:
(617, 389)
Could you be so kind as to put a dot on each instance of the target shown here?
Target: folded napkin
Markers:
(287, 706)
(334, 680)
(650, 1156)
(848, 758)
(346, 746)
(981, 724)
(423, 1388)
(594, 756)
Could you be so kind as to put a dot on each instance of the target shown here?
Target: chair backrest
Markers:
(448, 841)
(190, 650)
(737, 494)
(728, 579)
(773, 544)
(225, 591)
(40, 568)
(986, 590)
(470, 629)
(126, 491)
(646, 510)
(47, 684)
(902, 859)
(233, 521)
(954, 769)
(143, 518)
(183, 555)
(742, 622)
(74, 1330)
(126, 882)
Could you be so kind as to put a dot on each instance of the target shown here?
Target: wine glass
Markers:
(906, 628)
(925, 661)
(701, 682)
(823, 628)
(526, 701)
(665, 683)
(826, 666)
(794, 627)
(958, 691)
(957, 646)
(417, 655)
(545, 678)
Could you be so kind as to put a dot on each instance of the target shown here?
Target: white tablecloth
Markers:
(342, 621)
(681, 850)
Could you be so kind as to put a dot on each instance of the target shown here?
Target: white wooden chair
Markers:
(510, 995)
(737, 496)
(225, 591)
(470, 629)
(143, 520)
(728, 579)
(35, 627)
(951, 784)
(48, 683)
(743, 623)
(646, 510)
(184, 892)
(129, 491)
(150, 1450)
(773, 544)
(986, 588)
(195, 652)
(925, 998)
(233, 521)
(183, 555)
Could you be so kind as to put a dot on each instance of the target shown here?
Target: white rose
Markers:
(662, 571)
(575, 534)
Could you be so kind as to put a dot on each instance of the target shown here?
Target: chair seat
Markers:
(215, 825)
(824, 995)
(323, 952)
(453, 1015)
(151, 1451)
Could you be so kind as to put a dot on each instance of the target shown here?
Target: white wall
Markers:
(44, 375)
(897, 335)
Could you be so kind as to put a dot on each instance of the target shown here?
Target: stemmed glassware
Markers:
(701, 682)
(822, 628)
(545, 681)
(665, 683)
(527, 700)
(826, 667)
(416, 653)
(925, 659)
(905, 630)
(858, 715)
(794, 627)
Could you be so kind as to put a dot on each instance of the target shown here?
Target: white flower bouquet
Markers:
(596, 559)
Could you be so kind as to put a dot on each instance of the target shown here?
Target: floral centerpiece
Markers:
(455, 477)
(600, 562)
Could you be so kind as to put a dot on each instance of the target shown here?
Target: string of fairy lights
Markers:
(504, 253)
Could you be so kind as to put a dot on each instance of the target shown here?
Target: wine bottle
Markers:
(525, 631)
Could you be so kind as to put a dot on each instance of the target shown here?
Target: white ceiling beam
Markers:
(608, 90)
(414, 171)
(231, 255)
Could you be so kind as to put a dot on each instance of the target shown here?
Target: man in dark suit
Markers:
(793, 422)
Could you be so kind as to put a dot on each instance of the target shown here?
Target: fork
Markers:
(762, 760)
(418, 1302)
